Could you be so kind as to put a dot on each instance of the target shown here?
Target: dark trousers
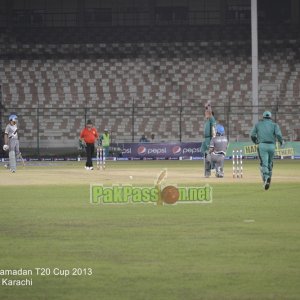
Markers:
(90, 148)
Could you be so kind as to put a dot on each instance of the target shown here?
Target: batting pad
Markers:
(12, 160)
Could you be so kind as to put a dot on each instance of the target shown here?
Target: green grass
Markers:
(244, 245)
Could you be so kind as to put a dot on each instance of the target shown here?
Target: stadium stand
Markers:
(142, 87)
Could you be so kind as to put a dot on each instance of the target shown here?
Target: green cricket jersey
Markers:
(266, 131)
(209, 131)
(105, 138)
(208, 127)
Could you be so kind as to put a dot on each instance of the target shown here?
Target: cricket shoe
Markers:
(91, 168)
(267, 183)
(219, 173)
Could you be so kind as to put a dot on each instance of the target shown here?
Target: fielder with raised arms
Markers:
(11, 142)
(209, 133)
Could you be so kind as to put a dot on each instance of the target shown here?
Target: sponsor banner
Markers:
(160, 150)
(290, 149)
(250, 150)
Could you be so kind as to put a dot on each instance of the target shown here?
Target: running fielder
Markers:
(264, 134)
(218, 147)
(209, 133)
(11, 142)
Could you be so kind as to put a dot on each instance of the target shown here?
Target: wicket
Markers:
(237, 163)
(100, 158)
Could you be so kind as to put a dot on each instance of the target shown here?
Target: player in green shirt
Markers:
(264, 134)
(209, 133)
(105, 142)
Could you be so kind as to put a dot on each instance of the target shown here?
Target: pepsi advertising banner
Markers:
(161, 150)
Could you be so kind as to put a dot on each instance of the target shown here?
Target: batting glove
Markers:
(5, 147)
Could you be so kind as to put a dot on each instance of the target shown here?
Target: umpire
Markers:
(264, 134)
(88, 136)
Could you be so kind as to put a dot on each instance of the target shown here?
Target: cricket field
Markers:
(243, 245)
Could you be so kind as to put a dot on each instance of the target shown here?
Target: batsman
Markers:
(218, 147)
(11, 142)
(209, 133)
(264, 134)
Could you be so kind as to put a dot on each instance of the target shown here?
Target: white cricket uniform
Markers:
(13, 143)
(219, 146)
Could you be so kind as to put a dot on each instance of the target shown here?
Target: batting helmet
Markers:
(267, 115)
(13, 118)
(220, 129)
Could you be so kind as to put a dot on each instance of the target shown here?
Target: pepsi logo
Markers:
(141, 150)
(176, 149)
